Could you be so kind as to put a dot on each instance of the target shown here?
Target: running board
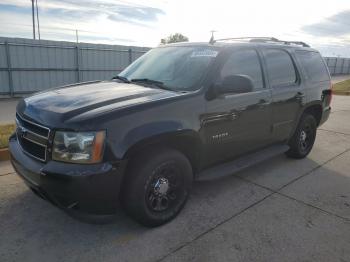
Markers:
(241, 163)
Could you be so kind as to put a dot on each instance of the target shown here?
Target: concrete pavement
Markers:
(279, 210)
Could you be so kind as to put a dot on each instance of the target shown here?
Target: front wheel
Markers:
(304, 137)
(157, 186)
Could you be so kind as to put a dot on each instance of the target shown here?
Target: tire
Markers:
(157, 186)
(304, 137)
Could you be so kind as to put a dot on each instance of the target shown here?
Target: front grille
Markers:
(32, 137)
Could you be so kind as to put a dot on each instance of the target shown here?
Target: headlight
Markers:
(78, 147)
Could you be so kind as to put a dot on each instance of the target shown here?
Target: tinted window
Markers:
(244, 62)
(313, 65)
(280, 67)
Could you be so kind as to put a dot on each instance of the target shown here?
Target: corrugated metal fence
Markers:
(338, 65)
(27, 65)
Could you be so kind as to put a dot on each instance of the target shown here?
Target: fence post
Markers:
(9, 68)
(130, 55)
(77, 52)
(342, 65)
(335, 67)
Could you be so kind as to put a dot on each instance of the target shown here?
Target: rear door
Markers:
(316, 75)
(287, 94)
(239, 122)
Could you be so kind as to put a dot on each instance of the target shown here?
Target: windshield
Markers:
(178, 68)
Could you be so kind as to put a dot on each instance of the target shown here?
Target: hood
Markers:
(63, 104)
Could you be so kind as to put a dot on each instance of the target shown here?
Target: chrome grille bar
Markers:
(32, 137)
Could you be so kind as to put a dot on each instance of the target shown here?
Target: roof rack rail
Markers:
(261, 40)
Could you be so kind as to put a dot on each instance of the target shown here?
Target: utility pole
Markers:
(76, 35)
(212, 40)
(33, 19)
(37, 17)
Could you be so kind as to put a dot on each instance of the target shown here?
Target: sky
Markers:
(325, 25)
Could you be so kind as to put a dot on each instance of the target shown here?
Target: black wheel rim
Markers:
(165, 191)
(306, 137)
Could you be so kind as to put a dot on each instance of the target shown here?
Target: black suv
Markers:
(181, 112)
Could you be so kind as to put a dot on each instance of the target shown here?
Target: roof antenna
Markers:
(212, 40)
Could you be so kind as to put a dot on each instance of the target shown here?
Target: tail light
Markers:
(327, 95)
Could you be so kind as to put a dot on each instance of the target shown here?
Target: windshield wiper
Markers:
(122, 78)
(158, 84)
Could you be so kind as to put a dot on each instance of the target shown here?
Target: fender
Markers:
(302, 110)
(163, 132)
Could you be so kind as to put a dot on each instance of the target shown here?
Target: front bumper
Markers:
(325, 115)
(88, 189)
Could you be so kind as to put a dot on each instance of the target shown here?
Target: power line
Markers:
(54, 28)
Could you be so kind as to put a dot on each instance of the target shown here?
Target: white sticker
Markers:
(205, 52)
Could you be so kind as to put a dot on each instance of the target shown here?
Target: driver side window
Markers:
(244, 62)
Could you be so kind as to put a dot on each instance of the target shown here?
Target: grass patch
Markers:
(342, 86)
(5, 132)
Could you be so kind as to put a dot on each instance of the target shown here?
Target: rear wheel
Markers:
(157, 186)
(304, 137)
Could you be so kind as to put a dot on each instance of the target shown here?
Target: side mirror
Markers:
(236, 84)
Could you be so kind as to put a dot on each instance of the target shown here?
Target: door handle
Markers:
(262, 103)
(299, 95)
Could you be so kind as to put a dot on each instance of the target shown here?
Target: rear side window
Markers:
(313, 65)
(280, 68)
(244, 62)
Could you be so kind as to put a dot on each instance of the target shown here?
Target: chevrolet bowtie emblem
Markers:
(22, 131)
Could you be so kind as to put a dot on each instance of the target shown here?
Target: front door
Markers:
(238, 123)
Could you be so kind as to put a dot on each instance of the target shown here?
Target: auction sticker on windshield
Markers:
(206, 52)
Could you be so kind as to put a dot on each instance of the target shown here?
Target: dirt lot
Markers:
(281, 210)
